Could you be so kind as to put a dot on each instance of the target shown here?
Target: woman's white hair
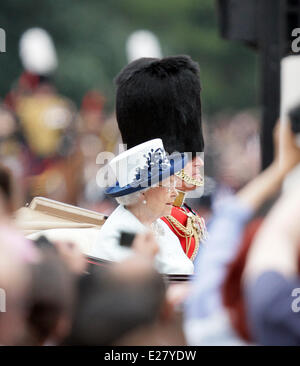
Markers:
(129, 199)
(132, 198)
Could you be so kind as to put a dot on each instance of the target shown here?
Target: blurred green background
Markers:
(90, 40)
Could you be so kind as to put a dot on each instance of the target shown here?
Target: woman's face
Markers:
(159, 200)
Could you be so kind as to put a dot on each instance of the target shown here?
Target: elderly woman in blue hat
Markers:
(145, 190)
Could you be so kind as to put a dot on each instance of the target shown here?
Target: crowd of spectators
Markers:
(246, 286)
(244, 290)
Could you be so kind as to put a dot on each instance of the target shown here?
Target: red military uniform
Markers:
(189, 228)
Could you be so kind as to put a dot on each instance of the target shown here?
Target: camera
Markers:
(126, 239)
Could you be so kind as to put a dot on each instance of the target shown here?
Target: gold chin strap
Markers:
(186, 178)
(179, 200)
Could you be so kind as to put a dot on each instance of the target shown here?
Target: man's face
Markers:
(193, 170)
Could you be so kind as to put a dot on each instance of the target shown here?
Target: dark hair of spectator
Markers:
(108, 309)
(6, 182)
(50, 297)
(6, 188)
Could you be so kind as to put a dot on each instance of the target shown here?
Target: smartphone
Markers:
(126, 239)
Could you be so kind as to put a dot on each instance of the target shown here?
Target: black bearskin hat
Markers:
(160, 98)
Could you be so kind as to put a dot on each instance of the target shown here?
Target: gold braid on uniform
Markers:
(186, 178)
(179, 200)
(194, 228)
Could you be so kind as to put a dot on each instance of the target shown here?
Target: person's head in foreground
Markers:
(145, 182)
(49, 298)
(160, 98)
(123, 305)
(14, 284)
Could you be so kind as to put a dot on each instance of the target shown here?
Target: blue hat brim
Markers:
(178, 162)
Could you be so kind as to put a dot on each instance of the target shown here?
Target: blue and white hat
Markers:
(143, 166)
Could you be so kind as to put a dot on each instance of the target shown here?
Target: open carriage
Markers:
(54, 220)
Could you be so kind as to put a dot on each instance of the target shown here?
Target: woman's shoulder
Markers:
(122, 219)
(118, 213)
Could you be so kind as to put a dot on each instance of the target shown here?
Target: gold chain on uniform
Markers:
(193, 228)
(186, 178)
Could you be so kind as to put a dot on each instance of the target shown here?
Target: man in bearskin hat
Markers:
(160, 98)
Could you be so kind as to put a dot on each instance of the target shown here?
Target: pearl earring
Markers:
(144, 202)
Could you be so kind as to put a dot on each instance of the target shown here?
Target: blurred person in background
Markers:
(47, 120)
(94, 122)
(209, 321)
(233, 151)
(13, 150)
(96, 134)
